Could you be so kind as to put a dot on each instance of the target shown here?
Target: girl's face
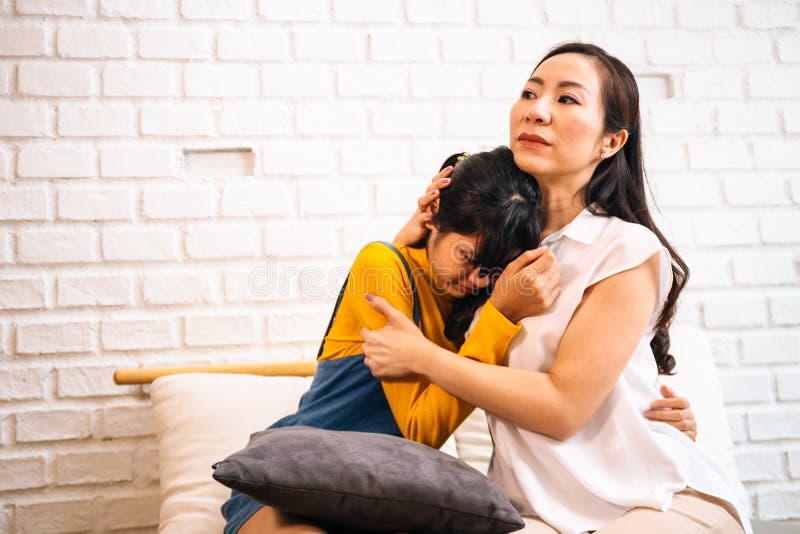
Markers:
(451, 258)
(556, 125)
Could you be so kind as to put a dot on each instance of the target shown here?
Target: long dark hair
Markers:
(618, 183)
(492, 198)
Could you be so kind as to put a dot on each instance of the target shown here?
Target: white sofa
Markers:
(201, 418)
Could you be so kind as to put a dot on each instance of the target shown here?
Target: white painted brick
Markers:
(266, 282)
(736, 424)
(264, 119)
(20, 120)
(262, 199)
(184, 119)
(665, 155)
(706, 15)
(22, 473)
(749, 118)
(22, 294)
(127, 421)
(131, 512)
(55, 338)
(298, 157)
(23, 204)
(175, 288)
(764, 268)
(55, 517)
(138, 335)
(510, 12)
(776, 505)
(92, 121)
(221, 81)
(444, 11)
(530, 47)
(5, 160)
(135, 9)
(749, 386)
(254, 45)
(396, 196)
(88, 382)
(724, 349)
(774, 425)
(220, 331)
(56, 246)
(443, 81)
(372, 80)
(644, 14)
(489, 119)
(682, 118)
(791, 118)
(215, 9)
(742, 47)
(780, 227)
(182, 203)
(785, 309)
(93, 205)
(471, 45)
(576, 13)
(734, 311)
(788, 386)
(208, 242)
(766, 16)
(48, 161)
(760, 466)
(78, 8)
(23, 41)
(22, 384)
(375, 11)
(94, 467)
(334, 197)
(627, 45)
(93, 291)
(794, 463)
(375, 158)
(55, 79)
(770, 347)
(331, 45)
(725, 229)
(120, 79)
(140, 243)
(146, 466)
(331, 118)
(776, 153)
(297, 326)
(714, 82)
(141, 162)
(100, 42)
(297, 81)
(5, 80)
(176, 43)
(775, 81)
(719, 154)
(789, 48)
(53, 425)
(403, 45)
(298, 239)
(289, 10)
(710, 269)
(407, 119)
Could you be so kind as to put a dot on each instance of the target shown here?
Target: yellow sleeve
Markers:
(428, 414)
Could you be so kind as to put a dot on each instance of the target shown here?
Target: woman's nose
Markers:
(538, 111)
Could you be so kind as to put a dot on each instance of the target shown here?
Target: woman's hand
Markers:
(674, 411)
(415, 230)
(528, 285)
(395, 350)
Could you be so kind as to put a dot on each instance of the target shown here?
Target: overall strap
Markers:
(416, 312)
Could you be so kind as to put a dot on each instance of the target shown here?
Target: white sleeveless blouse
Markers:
(619, 459)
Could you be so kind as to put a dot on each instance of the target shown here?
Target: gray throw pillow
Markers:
(366, 481)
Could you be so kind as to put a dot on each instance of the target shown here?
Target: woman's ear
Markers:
(613, 143)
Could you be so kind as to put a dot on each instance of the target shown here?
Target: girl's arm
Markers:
(414, 230)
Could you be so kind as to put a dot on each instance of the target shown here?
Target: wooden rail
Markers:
(148, 374)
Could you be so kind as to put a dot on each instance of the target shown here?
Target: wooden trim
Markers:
(148, 374)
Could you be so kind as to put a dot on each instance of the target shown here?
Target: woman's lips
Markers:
(532, 141)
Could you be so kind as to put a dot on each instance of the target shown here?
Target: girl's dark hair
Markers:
(490, 197)
(618, 183)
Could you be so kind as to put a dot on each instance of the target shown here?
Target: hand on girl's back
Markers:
(528, 285)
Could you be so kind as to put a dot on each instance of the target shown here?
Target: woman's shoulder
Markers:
(629, 233)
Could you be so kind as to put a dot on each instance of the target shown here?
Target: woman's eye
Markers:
(565, 99)
(527, 93)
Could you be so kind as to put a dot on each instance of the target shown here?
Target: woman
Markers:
(571, 444)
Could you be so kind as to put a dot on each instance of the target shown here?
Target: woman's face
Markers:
(556, 125)
(451, 258)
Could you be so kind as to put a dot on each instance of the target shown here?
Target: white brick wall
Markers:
(114, 257)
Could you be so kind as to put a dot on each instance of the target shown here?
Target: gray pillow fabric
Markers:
(365, 481)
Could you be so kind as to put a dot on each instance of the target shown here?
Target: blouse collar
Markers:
(584, 228)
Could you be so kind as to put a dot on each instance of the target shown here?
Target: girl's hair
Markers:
(490, 197)
(618, 183)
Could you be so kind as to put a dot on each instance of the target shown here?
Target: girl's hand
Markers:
(415, 230)
(528, 285)
(395, 350)
(674, 411)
